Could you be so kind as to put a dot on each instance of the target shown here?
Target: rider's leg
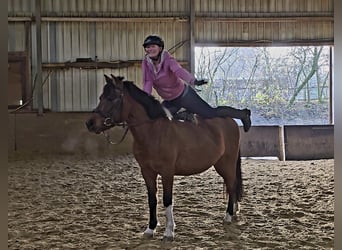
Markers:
(243, 114)
(171, 107)
(193, 103)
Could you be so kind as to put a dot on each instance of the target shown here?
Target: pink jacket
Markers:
(167, 79)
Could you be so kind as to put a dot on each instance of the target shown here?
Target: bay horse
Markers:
(167, 147)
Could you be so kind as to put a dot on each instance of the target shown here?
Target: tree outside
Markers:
(281, 85)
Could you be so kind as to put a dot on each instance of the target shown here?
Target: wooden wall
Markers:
(66, 133)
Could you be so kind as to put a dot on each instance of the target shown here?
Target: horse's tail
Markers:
(239, 186)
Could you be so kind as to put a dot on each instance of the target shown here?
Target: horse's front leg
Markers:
(150, 178)
(167, 182)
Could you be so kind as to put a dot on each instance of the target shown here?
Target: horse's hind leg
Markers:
(230, 169)
(231, 208)
(150, 178)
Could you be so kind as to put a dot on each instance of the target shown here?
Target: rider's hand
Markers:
(200, 82)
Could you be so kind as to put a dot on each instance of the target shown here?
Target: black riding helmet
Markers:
(153, 39)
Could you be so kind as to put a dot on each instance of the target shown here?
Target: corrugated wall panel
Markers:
(168, 7)
(16, 37)
(122, 8)
(79, 89)
(250, 8)
(65, 40)
(210, 32)
(20, 7)
(107, 41)
(73, 89)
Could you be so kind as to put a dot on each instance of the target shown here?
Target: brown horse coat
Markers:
(169, 147)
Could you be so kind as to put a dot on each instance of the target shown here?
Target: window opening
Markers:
(281, 85)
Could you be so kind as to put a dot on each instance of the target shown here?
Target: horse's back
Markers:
(224, 126)
(215, 135)
(186, 147)
(213, 129)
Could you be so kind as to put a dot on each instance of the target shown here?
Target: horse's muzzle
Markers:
(91, 126)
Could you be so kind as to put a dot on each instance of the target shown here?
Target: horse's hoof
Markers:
(168, 238)
(147, 236)
(148, 233)
(227, 219)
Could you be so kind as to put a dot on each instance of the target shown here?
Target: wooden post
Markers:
(331, 83)
(192, 36)
(39, 81)
(282, 156)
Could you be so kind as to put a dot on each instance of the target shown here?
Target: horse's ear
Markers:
(108, 79)
(120, 78)
(117, 81)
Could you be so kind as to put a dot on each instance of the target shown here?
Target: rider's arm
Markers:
(180, 72)
(147, 78)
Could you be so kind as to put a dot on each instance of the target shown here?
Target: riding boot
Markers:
(243, 114)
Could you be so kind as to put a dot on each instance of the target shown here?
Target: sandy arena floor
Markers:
(66, 202)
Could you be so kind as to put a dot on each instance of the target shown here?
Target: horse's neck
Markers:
(139, 122)
(134, 113)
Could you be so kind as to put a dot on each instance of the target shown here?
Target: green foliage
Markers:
(262, 99)
(286, 87)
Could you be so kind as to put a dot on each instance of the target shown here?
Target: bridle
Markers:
(110, 122)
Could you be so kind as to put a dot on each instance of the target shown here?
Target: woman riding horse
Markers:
(162, 72)
(167, 147)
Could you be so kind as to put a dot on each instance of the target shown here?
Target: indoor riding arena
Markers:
(72, 189)
(71, 202)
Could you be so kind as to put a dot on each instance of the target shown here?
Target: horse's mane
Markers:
(152, 106)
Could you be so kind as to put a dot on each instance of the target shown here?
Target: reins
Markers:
(123, 125)
(108, 122)
(118, 142)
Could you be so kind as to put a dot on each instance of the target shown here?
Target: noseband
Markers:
(108, 117)
(108, 120)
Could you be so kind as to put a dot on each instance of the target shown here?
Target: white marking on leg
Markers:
(228, 218)
(170, 223)
(236, 208)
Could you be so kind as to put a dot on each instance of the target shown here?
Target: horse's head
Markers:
(107, 114)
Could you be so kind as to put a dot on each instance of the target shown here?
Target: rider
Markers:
(162, 72)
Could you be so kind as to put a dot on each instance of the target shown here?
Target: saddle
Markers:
(185, 116)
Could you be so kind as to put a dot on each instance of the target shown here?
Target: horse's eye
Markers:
(111, 98)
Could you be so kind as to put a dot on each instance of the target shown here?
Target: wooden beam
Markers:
(267, 43)
(272, 19)
(89, 65)
(100, 19)
(287, 19)
(96, 65)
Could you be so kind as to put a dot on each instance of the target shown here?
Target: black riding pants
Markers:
(192, 102)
